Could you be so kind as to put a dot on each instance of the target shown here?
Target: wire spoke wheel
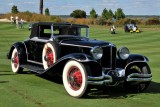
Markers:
(15, 62)
(75, 79)
(48, 55)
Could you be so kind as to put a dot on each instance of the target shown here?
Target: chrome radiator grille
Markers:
(108, 59)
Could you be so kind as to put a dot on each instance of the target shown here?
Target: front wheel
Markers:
(75, 79)
(15, 62)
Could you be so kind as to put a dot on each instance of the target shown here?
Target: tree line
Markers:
(107, 17)
(15, 10)
(106, 14)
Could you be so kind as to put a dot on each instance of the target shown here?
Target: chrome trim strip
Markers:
(75, 45)
(26, 49)
(39, 40)
(139, 77)
(133, 62)
(34, 62)
(99, 82)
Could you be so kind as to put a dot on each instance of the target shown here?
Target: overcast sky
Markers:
(65, 7)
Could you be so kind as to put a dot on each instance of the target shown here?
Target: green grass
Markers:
(29, 90)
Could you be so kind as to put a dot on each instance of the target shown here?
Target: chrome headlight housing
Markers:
(97, 52)
(123, 53)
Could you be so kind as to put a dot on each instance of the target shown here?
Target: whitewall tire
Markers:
(15, 62)
(75, 78)
(48, 55)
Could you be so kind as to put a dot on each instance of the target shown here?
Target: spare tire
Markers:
(49, 55)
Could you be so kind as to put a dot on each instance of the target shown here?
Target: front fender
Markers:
(137, 58)
(94, 66)
(132, 58)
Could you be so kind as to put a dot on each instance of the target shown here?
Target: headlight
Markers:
(97, 52)
(123, 53)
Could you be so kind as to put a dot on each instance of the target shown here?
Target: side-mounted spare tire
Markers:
(50, 54)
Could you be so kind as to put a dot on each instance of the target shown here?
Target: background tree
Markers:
(93, 14)
(110, 13)
(14, 9)
(47, 12)
(41, 7)
(78, 14)
(119, 14)
(105, 14)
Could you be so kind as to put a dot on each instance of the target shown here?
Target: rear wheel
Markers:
(15, 62)
(137, 86)
(75, 79)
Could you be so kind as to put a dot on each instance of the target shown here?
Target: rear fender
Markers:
(21, 50)
(93, 68)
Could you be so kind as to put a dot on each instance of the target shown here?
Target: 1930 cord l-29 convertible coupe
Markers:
(66, 50)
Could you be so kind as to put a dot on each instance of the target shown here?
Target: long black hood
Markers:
(85, 43)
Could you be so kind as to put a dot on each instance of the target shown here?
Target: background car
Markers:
(131, 28)
(65, 50)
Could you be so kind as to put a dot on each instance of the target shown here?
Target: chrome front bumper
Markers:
(99, 80)
(139, 77)
(105, 79)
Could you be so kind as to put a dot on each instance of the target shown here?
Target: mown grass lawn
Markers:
(29, 90)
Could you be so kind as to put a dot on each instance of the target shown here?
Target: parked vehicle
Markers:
(65, 49)
(131, 28)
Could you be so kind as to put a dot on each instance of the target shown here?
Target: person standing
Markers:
(17, 23)
(22, 23)
(112, 29)
(12, 20)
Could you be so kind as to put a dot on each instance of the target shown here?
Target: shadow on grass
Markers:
(4, 82)
(5, 73)
(117, 92)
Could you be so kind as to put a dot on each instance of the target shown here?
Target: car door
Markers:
(35, 46)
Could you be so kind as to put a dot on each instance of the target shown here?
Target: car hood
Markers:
(85, 43)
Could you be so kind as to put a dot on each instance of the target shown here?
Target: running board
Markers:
(34, 68)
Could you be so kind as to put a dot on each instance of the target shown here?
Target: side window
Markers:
(56, 31)
(82, 32)
(69, 31)
(45, 31)
(73, 31)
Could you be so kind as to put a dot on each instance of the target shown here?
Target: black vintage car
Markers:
(65, 49)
